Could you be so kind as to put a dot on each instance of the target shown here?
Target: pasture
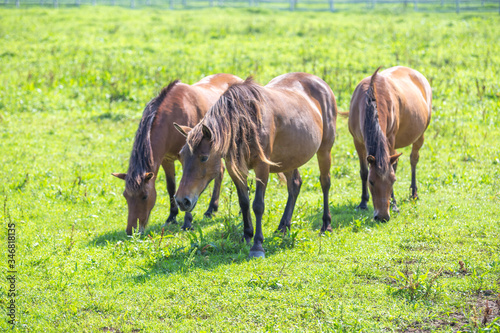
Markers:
(74, 83)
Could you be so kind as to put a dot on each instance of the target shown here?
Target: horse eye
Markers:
(144, 197)
(371, 182)
(204, 158)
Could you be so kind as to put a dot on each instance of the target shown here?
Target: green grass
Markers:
(74, 84)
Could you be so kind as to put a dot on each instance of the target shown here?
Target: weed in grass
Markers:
(416, 286)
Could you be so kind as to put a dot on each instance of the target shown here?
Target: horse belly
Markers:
(411, 127)
(294, 149)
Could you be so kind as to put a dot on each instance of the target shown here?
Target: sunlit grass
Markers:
(74, 83)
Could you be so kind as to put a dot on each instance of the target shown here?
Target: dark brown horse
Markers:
(389, 110)
(158, 143)
(276, 128)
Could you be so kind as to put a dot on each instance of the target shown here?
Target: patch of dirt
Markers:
(110, 329)
(485, 308)
(490, 309)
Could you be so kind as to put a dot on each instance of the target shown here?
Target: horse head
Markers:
(380, 183)
(140, 194)
(200, 165)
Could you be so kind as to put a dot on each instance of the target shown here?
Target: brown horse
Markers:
(157, 143)
(388, 110)
(276, 128)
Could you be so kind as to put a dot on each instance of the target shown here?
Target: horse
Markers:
(158, 143)
(389, 110)
(271, 129)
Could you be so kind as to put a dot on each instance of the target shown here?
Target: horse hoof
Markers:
(329, 229)
(187, 228)
(208, 215)
(362, 207)
(170, 220)
(281, 230)
(395, 209)
(256, 254)
(167, 223)
(245, 240)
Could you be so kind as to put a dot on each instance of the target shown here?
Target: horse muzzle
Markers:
(381, 218)
(185, 204)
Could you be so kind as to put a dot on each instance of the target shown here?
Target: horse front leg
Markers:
(262, 175)
(293, 182)
(188, 219)
(214, 201)
(363, 173)
(394, 206)
(244, 201)
(169, 169)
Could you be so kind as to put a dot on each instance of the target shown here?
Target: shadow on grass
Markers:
(154, 227)
(170, 250)
(344, 216)
(208, 250)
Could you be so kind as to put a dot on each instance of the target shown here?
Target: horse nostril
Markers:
(381, 219)
(186, 202)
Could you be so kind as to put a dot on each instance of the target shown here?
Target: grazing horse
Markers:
(276, 128)
(389, 110)
(158, 143)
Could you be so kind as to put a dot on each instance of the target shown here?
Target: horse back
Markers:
(413, 96)
(403, 98)
(186, 105)
(318, 93)
(300, 118)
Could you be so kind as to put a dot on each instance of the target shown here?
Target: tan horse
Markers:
(276, 128)
(158, 143)
(389, 110)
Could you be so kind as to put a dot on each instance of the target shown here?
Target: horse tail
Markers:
(343, 114)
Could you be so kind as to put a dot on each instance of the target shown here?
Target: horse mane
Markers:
(234, 122)
(141, 159)
(375, 139)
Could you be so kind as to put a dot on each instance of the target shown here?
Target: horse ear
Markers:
(371, 159)
(148, 176)
(184, 130)
(394, 158)
(120, 175)
(207, 133)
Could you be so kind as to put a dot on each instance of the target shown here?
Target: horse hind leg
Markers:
(169, 169)
(294, 182)
(324, 162)
(414, 160)
(214, 201)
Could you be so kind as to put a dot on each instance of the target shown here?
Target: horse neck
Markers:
(158, 148)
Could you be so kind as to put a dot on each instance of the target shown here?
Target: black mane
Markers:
(141, 159)
(375, 139)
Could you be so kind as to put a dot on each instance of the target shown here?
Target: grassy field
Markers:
(74, 83)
